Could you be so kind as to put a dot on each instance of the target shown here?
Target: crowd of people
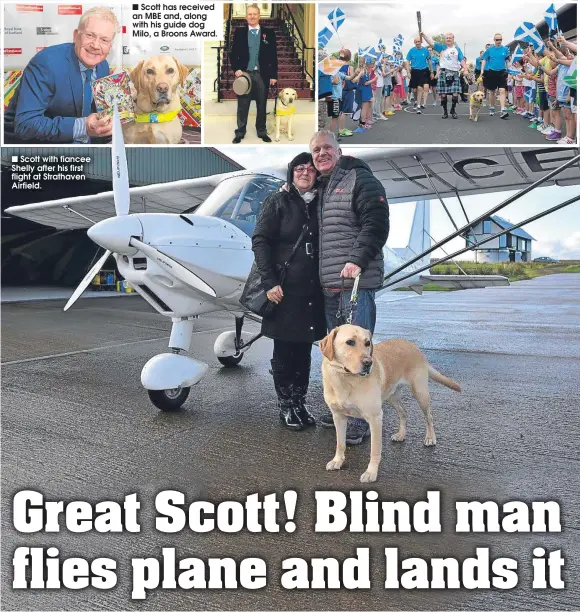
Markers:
(370, 90)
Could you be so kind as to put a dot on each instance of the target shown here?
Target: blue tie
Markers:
(255, 31)
(87, 93)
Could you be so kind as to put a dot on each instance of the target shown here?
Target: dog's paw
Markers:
(368, 476)
(430, 440)
(291, 137)
(335, 464)
(277, 139)
(398, 437)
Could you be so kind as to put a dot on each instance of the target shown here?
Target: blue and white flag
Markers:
(324, 36)
(518, 55)
(530, 94)
(551, 18)
(527, 33)
(514, 71)
(336, 18)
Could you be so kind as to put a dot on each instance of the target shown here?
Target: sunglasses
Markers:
(498, 39)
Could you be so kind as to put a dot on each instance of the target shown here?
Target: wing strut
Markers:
(492, 211)
(472, 246)
(428, 176)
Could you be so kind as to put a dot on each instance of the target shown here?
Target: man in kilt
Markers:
(451, 64)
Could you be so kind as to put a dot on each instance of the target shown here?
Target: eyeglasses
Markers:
(303, 169)
(93, 38)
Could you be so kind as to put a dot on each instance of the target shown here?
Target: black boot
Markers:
(453, 106)
(444, 105)
(286, 405)
(300, 389)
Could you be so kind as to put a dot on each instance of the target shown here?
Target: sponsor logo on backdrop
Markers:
(70, 9)
(12, 30)
(126, 50)
(29, 8)
(12, 51)
(164, 48)
(45, 31)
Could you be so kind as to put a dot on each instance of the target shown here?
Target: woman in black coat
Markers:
(298, 318)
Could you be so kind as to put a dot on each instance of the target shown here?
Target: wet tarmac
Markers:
(77, 425)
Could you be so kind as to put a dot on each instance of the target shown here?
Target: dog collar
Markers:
(285, 112)
(156, 117)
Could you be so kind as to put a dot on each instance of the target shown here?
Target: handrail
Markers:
(226, 46)
(285, 15)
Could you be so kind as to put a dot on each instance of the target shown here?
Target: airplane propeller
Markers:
(121, 197)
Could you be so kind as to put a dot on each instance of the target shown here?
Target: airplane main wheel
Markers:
(169, 400)
(230, 362)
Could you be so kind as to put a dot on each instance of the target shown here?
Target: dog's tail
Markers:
(443, 380)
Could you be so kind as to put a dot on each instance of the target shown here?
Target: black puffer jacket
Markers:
(300, 315)
(354, 224)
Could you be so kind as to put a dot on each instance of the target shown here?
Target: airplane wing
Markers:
(82, 211)
(466, 171)
(402, 171)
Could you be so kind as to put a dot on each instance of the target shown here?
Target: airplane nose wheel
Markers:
(230, 362)
(169, 400)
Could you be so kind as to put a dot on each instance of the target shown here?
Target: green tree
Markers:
(439, 38)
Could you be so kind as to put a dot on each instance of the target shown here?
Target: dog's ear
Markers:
(183, 71)
(136, 73)
(327, 345)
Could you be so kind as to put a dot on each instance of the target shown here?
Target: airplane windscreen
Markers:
(238, 199)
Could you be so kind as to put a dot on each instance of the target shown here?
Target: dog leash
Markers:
(274, 89)
(340, 315)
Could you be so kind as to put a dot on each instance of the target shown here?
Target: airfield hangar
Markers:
(34, 254)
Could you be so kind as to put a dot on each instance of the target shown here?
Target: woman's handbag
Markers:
(254, 296)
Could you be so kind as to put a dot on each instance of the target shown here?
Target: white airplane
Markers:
(185, 264)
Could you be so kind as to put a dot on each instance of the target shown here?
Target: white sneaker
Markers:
(434, 103)
(540, 127)
(566, 140)
(548, 130)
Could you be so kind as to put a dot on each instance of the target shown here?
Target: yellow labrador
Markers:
(475, 101)
(285, 111)
(358, 377)
(157, 104)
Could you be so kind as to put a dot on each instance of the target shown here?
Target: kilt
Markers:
(443, 87)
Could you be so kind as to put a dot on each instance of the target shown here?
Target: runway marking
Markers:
(102, 348)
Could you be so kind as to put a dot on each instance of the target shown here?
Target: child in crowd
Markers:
(387, 90)
(348, 91)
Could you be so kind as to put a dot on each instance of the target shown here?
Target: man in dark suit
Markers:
(254, 51)
(53, 102)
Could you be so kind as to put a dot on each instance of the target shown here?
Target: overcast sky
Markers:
(474, 23)
(556, 235)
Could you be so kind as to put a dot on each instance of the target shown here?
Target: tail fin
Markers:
(419, 238)
(443, 380)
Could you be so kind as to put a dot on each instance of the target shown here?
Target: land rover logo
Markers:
(164, 48)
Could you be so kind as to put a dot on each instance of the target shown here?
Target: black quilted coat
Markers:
(300, 315)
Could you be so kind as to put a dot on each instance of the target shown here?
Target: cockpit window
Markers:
(239, 199)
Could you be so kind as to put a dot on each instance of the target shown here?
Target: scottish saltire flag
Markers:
(336, 18)
(551, 18)
(331, 65)
(527, 33)
(518, 55)
(512, 70)
(367, 52)
(530, 94)
(324, 36)
(571, 78)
